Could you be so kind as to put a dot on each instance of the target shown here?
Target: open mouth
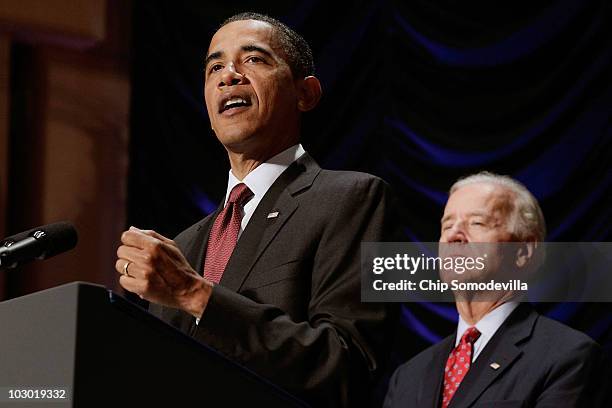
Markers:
(234, 103)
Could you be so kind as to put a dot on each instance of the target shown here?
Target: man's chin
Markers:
(235, 139)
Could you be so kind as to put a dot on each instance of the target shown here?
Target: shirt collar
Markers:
(263, 176)
(488, 325)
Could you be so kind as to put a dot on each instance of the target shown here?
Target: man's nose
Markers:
(230, 76)
(456, 234)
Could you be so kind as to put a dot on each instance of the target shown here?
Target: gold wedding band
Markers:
(125, 269)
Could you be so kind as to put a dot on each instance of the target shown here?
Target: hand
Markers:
(159, 273)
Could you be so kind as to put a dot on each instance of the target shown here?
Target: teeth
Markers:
(233, 101)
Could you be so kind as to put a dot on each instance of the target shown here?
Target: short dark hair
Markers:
(296, 49)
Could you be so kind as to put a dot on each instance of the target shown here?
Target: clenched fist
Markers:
(153, 267)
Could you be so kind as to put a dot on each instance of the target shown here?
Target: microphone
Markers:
(38, 243)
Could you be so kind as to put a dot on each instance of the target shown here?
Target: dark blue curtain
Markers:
(416, 92)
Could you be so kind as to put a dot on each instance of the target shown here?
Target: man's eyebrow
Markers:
(479, 214)
(210, 57)
(251, 47)
(470, 214)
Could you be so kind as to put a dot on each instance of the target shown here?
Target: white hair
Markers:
(527, 220)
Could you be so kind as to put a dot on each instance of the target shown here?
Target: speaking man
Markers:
(503, 354)
(271, 279)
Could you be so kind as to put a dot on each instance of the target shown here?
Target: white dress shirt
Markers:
(487, 326)
(261, 179)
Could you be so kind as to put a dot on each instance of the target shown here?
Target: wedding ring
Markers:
(125, 269)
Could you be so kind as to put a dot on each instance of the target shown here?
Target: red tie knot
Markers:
(470, 335)
(239, 194)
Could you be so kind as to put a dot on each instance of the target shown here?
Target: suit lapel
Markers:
(432, 384)
(195, 250)
(501, 349)
(261, 230)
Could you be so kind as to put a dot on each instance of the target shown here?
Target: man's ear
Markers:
(525, 253)
(309, 93)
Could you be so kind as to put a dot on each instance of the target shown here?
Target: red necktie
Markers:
(458, 364)
(224, 233)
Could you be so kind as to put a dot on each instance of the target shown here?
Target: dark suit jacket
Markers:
(542, 364)
(288, 305)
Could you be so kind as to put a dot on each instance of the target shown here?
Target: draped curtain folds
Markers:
(418, 93)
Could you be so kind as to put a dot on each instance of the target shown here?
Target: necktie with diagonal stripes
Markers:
(224, 233)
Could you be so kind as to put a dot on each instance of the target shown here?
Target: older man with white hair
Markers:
(503, 353)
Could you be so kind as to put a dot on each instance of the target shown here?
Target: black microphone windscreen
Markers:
(60, 237)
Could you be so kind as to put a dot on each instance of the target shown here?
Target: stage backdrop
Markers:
(415, 92)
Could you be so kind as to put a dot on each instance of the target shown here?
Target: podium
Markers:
(104, 351)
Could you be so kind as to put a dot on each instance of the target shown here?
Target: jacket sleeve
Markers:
(577, 380)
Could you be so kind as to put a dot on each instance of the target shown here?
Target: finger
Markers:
(132, 285)
(131, 254)
(122, 266)
(140, 271)
(138, 239)
(136, 270)
(154, 234)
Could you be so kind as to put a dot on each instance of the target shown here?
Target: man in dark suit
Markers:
(271, 279)
(503, 354)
